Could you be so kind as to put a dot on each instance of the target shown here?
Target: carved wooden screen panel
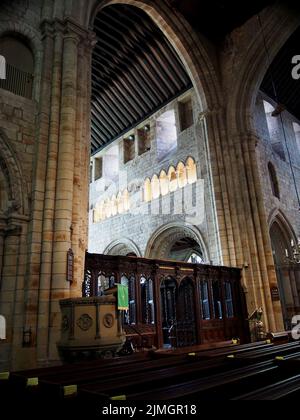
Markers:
(186, 322)
(168, 308)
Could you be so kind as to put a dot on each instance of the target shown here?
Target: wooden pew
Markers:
(287, 389)
(20, 378)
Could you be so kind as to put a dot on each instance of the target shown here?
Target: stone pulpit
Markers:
(91, 328)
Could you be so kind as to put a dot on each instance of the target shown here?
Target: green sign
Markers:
(123, 302)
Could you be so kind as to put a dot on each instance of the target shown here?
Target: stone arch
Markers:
(12, 172)
(190, 48)
(277, 216)
(287, 273)
(161, 242)
(33, 40)
(123, 247)
(277, 29)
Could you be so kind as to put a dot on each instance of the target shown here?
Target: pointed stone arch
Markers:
(12, 173)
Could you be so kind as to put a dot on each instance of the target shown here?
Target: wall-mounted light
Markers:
(295, 257)
(147, 128)
(131, 138)
(27, 337)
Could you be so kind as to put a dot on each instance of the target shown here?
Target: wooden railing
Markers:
(172, 303)
(18, 82)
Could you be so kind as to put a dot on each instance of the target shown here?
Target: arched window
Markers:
(191, 171)
(173, 182)
(120, 203)
(147, 191)
(114, 206)
(108, 209)
(274, 180)
(181, 175)
(155, 187)
(164, 183)
(19, 66)
(99, 213)
(126, 200)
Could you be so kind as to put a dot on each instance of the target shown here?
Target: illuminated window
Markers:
(147, 191)
(182, 176)
(120, 203)
(191, 171)
(107, 208)
(164, 183)
(155, 187)
(126, 201)
(99, 212)
(173, 179)
(114, 206)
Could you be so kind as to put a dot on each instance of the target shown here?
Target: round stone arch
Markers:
(190, 48)
(122, 247)
(33, 40)
(161, 242)
(12, 172)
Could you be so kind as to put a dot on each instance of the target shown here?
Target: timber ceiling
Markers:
(135, 71)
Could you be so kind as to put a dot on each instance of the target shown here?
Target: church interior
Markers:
(149, 202)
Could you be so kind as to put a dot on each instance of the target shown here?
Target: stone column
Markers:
(49, 205)
(243, 228)
(38, 189)
(82, 159)
(63, 218)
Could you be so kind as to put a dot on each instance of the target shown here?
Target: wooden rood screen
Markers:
(172, 304)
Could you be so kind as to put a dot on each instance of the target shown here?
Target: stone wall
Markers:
(288, 204)
(138, 226)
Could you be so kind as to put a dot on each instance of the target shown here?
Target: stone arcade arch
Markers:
(160, 244)
(251, 237)
(288, 274)
(123, 247)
